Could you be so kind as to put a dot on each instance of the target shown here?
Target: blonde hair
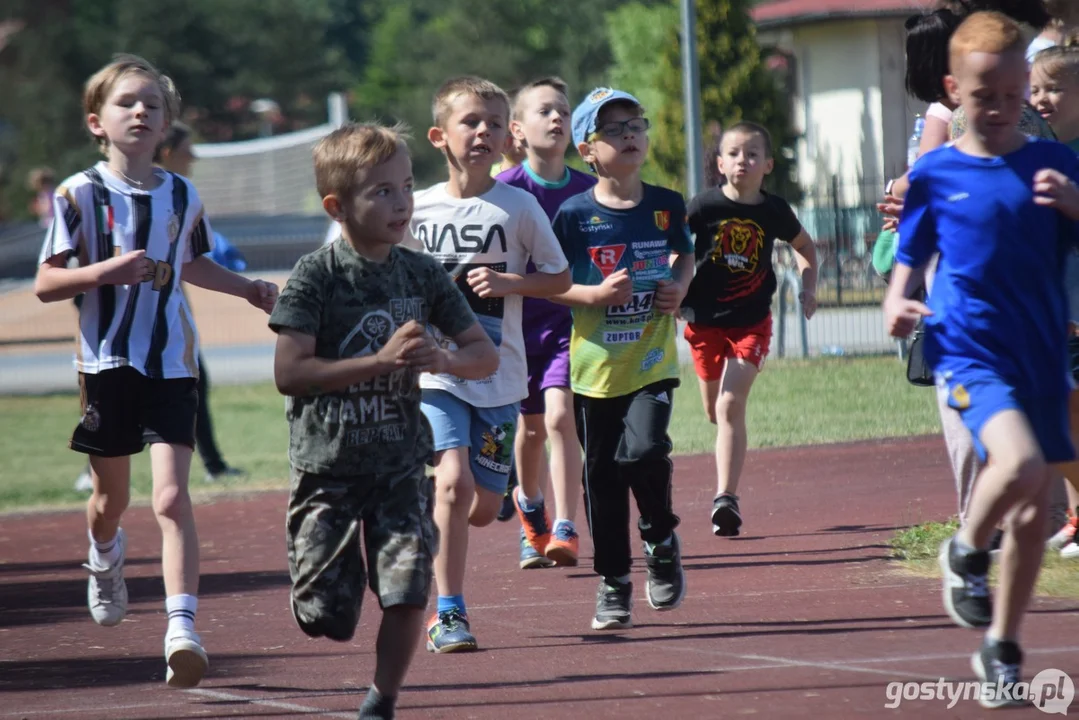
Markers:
(454, 88)
(552, 81)
(101, 83)
(341, 155)
(1060, 61)
(988, 32)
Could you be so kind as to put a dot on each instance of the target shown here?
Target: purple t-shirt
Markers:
(543, 318)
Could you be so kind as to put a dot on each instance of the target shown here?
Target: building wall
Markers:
(850, 106)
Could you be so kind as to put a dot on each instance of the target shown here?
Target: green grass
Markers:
(916, 550)
(793, 403)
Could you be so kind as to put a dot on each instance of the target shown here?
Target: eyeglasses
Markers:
(614, 129)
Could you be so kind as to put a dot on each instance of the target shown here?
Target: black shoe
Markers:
(666, 579)
(614, 602)
(508, 509)
(995, 542)
(997, 665)
(726, 520)
(966, 585)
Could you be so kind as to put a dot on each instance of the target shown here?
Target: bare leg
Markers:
(531, 455)
(567, 465)
(730, 418)
(111, 495)
(454, 497)
(171, 465)
(396, 646)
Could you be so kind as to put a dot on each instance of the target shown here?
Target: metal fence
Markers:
(844, 222)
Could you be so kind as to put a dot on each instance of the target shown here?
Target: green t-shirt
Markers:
(352, 306)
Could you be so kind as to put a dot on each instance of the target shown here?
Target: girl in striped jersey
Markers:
(136, 230)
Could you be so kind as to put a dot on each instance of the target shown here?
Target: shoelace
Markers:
(977, 585)
(1009, 672)
(613, 596)
(105, 580)
(451, 619)
(564, 533)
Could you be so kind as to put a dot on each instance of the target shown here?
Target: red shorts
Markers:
(711, 346)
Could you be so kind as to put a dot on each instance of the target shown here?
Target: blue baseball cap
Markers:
(584, 116)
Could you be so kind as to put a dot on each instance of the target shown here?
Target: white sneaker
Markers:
(1070, 551)
(186, 659)
(106, 593)
(1064, 537)
(84, 482)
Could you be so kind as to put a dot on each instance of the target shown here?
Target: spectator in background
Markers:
(42, 182)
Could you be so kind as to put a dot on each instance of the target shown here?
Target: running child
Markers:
(351, 345)
(483, 232)
(137, 231)
(993, 329)
(541, 115)
(729, 304)
(631, 258)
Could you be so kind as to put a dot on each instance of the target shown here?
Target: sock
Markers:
(377, 706)
(560, 522)
(528, 504)
(181, 610)
(962, 547)
(650, 547)
(104, 554)
(449, 602)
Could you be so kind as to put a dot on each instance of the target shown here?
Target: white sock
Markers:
(526, 502)
(181, 610)
(104, 554)
(563, 521)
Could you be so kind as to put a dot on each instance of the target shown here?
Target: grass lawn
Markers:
(794, 402)
(916, 549)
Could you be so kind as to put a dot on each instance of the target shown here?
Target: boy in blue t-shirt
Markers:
(1000, 210)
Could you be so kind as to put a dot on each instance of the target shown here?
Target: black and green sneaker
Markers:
(614, 601)
(666, 579)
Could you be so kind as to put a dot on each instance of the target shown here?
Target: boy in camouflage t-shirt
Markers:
(351, 345)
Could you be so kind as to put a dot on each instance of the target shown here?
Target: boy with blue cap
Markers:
(632, 260)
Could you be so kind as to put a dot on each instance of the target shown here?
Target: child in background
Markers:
(729, 304)
(540, 124)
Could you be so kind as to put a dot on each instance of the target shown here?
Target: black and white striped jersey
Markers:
(148, 326)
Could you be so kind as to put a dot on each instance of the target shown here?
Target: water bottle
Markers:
(915, 141)
(832, 351)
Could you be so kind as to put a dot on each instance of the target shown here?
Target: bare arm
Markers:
(616, 289)
(298, 372)
(55, 281)
(205, 273)
(901, 313)
(670, 293)
(476, 357)
(488, 283)
(934, 134)
(806, 258)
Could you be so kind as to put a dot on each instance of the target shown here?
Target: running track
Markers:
(803, 616)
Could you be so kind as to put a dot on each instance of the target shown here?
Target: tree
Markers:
(735, 85)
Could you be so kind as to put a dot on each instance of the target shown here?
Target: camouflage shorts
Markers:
(323, 529)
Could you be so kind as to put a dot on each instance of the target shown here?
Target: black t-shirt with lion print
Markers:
(733, 242)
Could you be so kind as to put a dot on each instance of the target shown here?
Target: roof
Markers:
(773, 13)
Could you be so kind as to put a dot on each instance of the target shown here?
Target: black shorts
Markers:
(123, 411)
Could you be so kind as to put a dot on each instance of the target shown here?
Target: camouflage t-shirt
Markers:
(352, 306)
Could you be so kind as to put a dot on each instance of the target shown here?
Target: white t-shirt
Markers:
(1036, 46)
(500, 229)
(940, 112)
(147, 326)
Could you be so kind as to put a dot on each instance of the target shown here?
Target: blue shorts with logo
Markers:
(980, 396)
(487, 432)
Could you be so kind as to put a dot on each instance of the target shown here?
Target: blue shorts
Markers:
(980, 397)
(487, 432)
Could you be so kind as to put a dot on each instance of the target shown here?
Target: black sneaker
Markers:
(996, 541)
(666, 578)
(614, 602)
(726, 520)
(997, 665)
(508, 509)
(966, 585)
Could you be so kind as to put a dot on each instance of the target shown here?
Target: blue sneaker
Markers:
(563, 546)
(529, 557)
(448, 632)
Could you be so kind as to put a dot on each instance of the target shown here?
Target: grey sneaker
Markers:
(966, 585)
(106, 593)
(666, 579)
(997, 665)
(614, 604)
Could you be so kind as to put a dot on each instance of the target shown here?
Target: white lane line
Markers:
(277, 704)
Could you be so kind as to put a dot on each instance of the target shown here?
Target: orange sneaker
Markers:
(1066, 535)
(562, 547)
(535, 522)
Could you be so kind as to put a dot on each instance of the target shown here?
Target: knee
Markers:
(172, 502)
(111, 504)
(559, 420)
(1026, 476)
(1027, 522)
(456, 489)
(729, 407)
(534, 436)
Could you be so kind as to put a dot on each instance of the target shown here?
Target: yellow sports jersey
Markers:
(618, 349)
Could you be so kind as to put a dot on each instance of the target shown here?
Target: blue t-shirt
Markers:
(619, 349)
(998, 300)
